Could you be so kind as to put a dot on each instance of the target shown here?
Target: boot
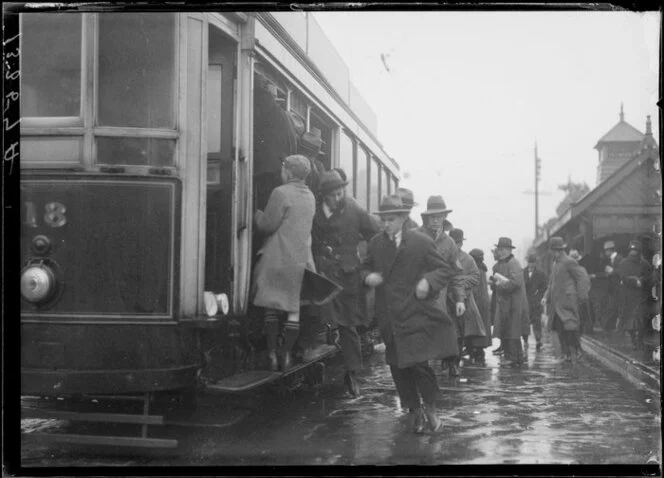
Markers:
(435, 423)
(351, 384)
(417, 420)
(271, 335)
(291, 333)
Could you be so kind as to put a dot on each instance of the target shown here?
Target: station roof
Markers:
(623, 132)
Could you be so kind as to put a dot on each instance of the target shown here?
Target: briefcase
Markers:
(317, 289)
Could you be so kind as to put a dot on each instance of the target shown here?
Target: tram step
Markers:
(132, 442)
(93, 417)
(245, 381)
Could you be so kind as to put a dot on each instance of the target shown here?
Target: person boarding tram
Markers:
(286, 252)
(536, 283)
(408, 274)
(568, 285)
(476, 345)
(339, 226)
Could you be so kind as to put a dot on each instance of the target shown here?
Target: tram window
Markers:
(51, 64)
(138, 151)
(386, 183)
(346, 159)
(374, 194)
(137, 70)
(362, 176)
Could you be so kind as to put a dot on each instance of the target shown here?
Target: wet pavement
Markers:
(544, 413)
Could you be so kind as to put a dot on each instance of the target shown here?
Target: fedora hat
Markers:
(609, 245)
(477, 254)
(635, 245)
(392, 205)
(329, 181)
(457, 235)
(407, 198)
(505, 242)
(436, 205)
(556, 243)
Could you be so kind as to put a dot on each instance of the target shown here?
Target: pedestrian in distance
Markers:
(635, 284)
(339, 225)
(408, 201)
(536, 283)
(494, 325)
(512, 320)
(452, 297)
(408, 274)
(481, 294)
(286, 252)
(584, 306)
(609, 272)
(568, 285)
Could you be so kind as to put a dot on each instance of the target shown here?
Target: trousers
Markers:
(536, 322)
(513, 350)
(351, 348)
(413, 383)
(570, 341)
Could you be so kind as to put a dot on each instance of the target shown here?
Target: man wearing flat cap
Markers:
(340, 224)
(511, 320)
(635, 284)
(452, 297)
(536, 283)
(408, 274)
(286, 252)
(408, 200)
(568, 287)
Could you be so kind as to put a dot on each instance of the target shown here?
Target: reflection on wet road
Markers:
(545, 413)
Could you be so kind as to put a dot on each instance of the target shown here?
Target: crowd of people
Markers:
(432, 301)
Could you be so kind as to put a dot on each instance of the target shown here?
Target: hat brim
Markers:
(332, 187)
(509, 247)
(392, 211)
(430, 212)
(558, 248)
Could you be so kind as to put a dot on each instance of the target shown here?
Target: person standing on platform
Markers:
(408, 274)
(477, 345)
(584, 306)
(408, 200)
(286, 252)
(568, 285)
(610, 272)
(339, 225)
(635, 283)
(511, 315)
(536, 283)
(452, 296)
(495, 327)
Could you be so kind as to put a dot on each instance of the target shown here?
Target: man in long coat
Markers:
(481, 294)
(452, 297)
(339, 226)
(286, 252)
(511, 321)
(635, 281)
(536, 283)
(469, 324)
(568, 285)
(408, 274)
(610, 274)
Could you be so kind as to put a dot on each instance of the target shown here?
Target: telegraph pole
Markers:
(537, 192)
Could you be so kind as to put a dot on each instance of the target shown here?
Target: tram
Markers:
(148, 140)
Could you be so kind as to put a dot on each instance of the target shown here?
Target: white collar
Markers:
(326, 210)
(397, 238)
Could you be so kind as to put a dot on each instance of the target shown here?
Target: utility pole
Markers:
(537, 192)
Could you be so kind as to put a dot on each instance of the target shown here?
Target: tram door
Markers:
(220, 155)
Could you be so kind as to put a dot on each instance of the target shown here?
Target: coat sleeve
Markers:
(581, 278)
(439, 272)
(369, 226)
(368, 265)
(470, 278)
(274, 213)
(515, 279)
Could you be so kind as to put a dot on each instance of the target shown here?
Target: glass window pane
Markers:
(375, 178)
(346, 159)
(51, 64)
(386, 182)
(137, 70)
(137, 151)
(362, 173)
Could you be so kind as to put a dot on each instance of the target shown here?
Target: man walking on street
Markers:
(408, 274)
(568, 285)
(536, 282)
(481, 294)
(339, 225)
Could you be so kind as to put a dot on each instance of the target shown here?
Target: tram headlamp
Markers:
(37, 284)
(657, 322)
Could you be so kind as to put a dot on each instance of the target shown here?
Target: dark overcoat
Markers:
(512, 319)
(535, 288)
(634, 298)
(568, 285)
(481, 294)
(447, 248)
(474, 326)
(335, 241)
(286, 252)
(413, 330)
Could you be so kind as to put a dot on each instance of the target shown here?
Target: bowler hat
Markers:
(457, 235)
(298, 165)
(505, 242)
(435, 205)
(609, 245)
(329, 181)
(556, 243)
(407, 198)
(477, 254)
(635, 245)
(392, 205)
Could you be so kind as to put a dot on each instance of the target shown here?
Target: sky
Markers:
(469, 94)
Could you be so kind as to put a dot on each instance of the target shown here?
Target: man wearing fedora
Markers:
(568, 287)
(433, 220)
(536, 283)
(408, 274)
(512, 319)
(609, 273)
(339, 226)
(635, 284)
(408, 200)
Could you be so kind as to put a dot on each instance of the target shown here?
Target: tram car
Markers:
(148, 140)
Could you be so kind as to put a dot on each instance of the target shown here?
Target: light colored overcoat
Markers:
(512, 318)
(568, 284)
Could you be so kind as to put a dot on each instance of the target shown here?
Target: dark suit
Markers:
(535, 288)
(414, 330)
(612, 301)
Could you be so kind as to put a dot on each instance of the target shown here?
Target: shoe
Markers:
(418, 421)
(498, 351)
(286, 362)
(508, 364)
(539, 346)
(273, 364)
(351, 384)
(435, 430)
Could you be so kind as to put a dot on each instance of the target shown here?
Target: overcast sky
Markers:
(468, 94)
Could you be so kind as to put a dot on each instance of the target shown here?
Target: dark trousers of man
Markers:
(611, 312)
(536, 322)
(460, 325)
(351, 348)
(570, 343)
(513, 350)
(415, 382)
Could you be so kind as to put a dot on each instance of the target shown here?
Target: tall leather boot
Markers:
(271, 332)
(291, 333)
